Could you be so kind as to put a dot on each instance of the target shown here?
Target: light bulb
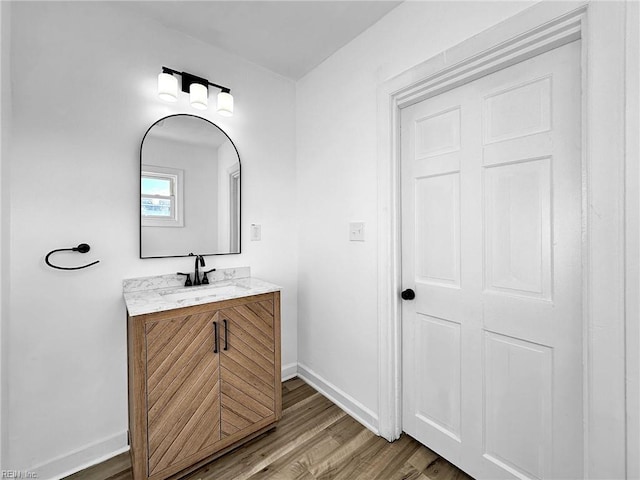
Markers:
(198, 96)
(225, 104)
(167, 87)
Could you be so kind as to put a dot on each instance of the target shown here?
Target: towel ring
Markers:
(82, 248)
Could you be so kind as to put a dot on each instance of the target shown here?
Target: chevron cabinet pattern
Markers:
(202, 380)
(183, 392)
(248, 366)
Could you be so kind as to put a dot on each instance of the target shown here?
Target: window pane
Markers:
(156, 186)
(156, 207)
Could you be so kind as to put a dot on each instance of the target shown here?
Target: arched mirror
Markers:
(189, 189)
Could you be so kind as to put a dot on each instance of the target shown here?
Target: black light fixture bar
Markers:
(188, 79)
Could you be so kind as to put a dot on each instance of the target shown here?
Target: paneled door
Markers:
(491, 245)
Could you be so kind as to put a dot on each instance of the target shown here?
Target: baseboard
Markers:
(346, 402)
(82, 458)
(289, 371)
(107, 448)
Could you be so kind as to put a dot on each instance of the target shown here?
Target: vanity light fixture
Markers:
(197, 88)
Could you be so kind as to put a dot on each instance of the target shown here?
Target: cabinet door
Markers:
(248, 376)
(183, 391)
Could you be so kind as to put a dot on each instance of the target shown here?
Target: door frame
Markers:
(540, 28)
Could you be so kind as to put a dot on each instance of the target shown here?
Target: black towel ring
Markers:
(82, 248)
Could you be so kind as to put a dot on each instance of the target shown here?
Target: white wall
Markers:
(336, 158)
(83, 96)
(5, 119)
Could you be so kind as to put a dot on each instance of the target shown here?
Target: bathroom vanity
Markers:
(204, 368)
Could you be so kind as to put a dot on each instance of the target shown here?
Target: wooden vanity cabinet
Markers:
(202, 380)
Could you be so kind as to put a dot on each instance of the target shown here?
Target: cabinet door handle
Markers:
(226, 334)
(215, 337)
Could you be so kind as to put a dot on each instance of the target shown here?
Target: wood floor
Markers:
(315, 440)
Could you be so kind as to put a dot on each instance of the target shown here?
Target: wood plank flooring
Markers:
(315, 440)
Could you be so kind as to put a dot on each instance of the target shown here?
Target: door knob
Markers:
(408, 294)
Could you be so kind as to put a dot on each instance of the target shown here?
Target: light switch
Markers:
(356, 231)
(256, 232)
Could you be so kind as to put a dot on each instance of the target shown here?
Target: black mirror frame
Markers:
(140, 191)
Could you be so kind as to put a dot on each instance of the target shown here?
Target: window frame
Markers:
(176, 199)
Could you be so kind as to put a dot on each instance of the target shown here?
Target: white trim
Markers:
(82, 458)
(177, 198)
(103, 450)
(632, 240)
(234, 207)
(604, 129)
(346, 402)
(289, 371)
(540, 28)
(234, 168)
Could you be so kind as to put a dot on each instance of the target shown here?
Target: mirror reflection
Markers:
(189, 189)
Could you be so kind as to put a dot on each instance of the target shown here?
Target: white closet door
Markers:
(491, 244)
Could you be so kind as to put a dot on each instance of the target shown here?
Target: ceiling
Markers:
(286, 37)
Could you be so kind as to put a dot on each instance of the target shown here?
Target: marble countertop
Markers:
(167, 292)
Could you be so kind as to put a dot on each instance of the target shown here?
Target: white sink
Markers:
(203, 292)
